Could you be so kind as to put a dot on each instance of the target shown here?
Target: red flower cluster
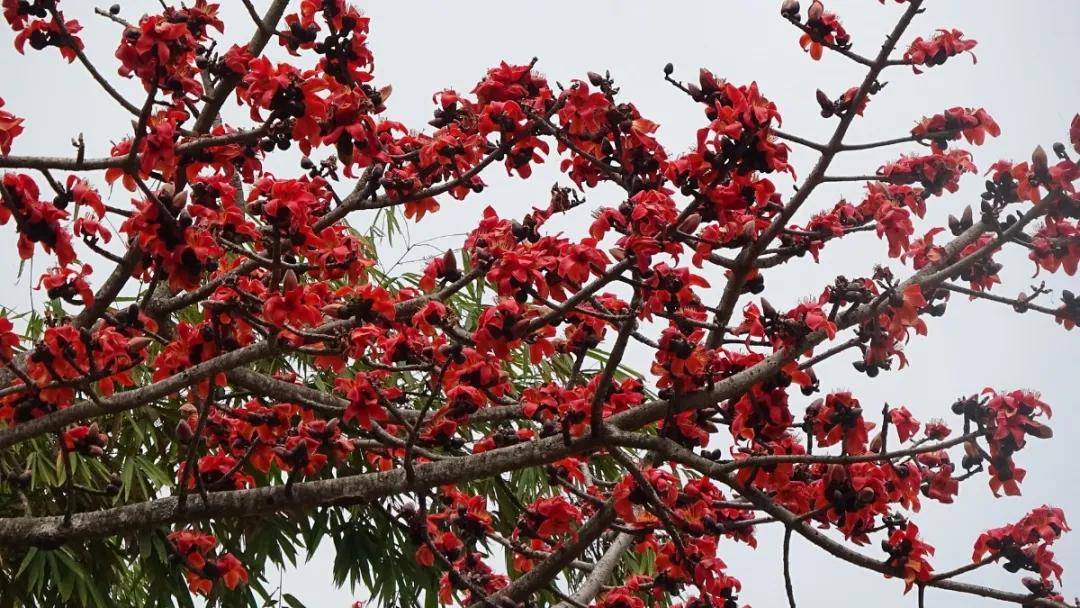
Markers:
(40, 24)
(1010, 418)
(935, 172)
(204, 568)
(1025, 544)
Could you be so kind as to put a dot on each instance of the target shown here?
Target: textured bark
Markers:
(272, 499)
(602, 571)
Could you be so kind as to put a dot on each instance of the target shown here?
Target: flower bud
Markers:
(180, 200)
(972, 450)
(827, 106)
(814, 14)
(1039, 431)
(706, 81)
(184, 434)
(138, 344)
(1037, 586)
(595, 79)
(385, 92)
(875, 443)
(333, 310)
(836, 475)
(691, 223)
(187, 410)
(867, 495)
(449, 261)
(790, 9)
(767, 308)
(1039, 161)
(669, 69)
(289, 282)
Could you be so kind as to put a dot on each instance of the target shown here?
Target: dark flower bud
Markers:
(790, 9)
(333, 310)
(1039, 431)
(595, 79)
(669, 69)
(827, 106)
(1038, 586)
(449, 262)
(836, 475)
(767, 308)
(1039, 161)
(691, 223)
(183, 432)
(138, 344)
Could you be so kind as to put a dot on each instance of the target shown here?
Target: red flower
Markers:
(905, 424)
(839, 418)
(365, 398)
(160, 51)
(628, 496)
(935, 172)
(822, 29)
(944, 44)
(66, 282)
(1024, 544)
(218, 468)
(552, 516)
(87, 440)
(973, 124)
(8, 338)
(937, 429)
(10, 128)
(908, 555)
(230, 570)
(298, 306)
(1011, 418)
(41, 34)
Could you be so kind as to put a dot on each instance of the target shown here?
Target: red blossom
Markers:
(905, 424)
(936, 50)
(10, 128)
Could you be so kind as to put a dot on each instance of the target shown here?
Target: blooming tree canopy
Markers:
(224, 375)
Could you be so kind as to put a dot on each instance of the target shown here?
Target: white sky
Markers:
(1024, 78)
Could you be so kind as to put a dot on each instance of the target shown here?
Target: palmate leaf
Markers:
(374, 553)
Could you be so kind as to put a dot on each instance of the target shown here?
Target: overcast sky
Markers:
(1024, 78)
